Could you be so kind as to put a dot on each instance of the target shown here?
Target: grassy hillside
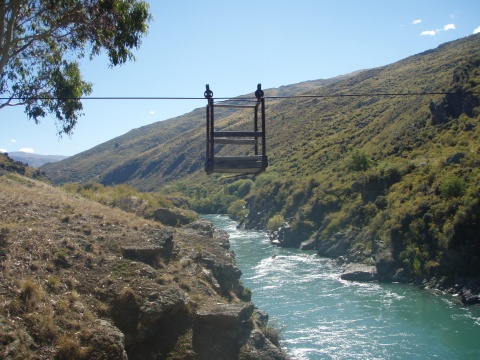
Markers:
(390, 179)
(82, 280)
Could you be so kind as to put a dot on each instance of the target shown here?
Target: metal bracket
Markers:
(259, 93)
(208, 93)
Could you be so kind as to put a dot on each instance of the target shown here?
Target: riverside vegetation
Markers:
(387, 181)
(87, 273)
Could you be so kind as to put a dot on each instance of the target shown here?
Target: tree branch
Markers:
(6, 45)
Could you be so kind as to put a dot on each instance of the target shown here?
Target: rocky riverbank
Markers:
(365, 266)
(81, 280)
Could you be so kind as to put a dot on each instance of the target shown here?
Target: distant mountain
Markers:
(35, 160)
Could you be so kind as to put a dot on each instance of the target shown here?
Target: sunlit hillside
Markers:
(384, 162)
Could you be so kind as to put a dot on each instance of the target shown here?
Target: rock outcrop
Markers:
(172, 217)
(336, 246)
(220, 330)
(359, 272)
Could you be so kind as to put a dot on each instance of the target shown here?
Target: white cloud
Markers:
(415, 22)
(449, 27)
(3, 151)
(477, 30)
(13, 141)
(151, 112)
(27, 150)
(429, 32)
(435, 32)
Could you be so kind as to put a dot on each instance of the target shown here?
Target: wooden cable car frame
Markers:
(250, 164)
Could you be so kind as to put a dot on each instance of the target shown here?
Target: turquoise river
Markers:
(324, 317)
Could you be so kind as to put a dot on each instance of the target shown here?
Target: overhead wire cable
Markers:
(244, 99)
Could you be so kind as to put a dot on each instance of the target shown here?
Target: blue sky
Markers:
(233, 46)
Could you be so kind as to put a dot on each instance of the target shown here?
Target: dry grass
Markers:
(69, 348)
(62, 270)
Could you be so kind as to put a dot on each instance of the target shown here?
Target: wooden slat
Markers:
(235, 141)
(234, 106)
(229, 159)
(237, 134)
(239, 164)
(238, 170)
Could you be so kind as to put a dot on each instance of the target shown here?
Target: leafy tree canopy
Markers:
(41, 41)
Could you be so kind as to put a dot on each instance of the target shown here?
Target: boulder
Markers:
(153, 323)
(227, 275)
(309, 244)
(289, 236)
(388, 269)
(220, 330)
(163, 318)
(259, 347)
(334, 247)
(159, 244)
(146, 253)
(105, 341)
(455, 159)
(359, 272)
(202, 227)
(221, 237)
(468, 298)
(206, 228)
(170, 218)
(161, 237)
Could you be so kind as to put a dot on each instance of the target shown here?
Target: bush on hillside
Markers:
(275, 222)
(237, 210)
(358, 161)
(453, 187)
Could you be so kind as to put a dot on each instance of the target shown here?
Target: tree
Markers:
(41, 41)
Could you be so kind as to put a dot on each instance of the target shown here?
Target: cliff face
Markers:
(84, 281)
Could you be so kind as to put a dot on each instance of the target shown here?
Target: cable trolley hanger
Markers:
(256, 159)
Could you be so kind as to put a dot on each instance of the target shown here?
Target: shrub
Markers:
(30, 294)
(245, 188)
(43, 325)
(53, 284)
(417, 267)
(274, 333)
(265, 179)
(3, 242)
(359, 161)
(237, 210)
(454, 186)
(218, 204)
(69, 348)
(275, 222)
(246, 294)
